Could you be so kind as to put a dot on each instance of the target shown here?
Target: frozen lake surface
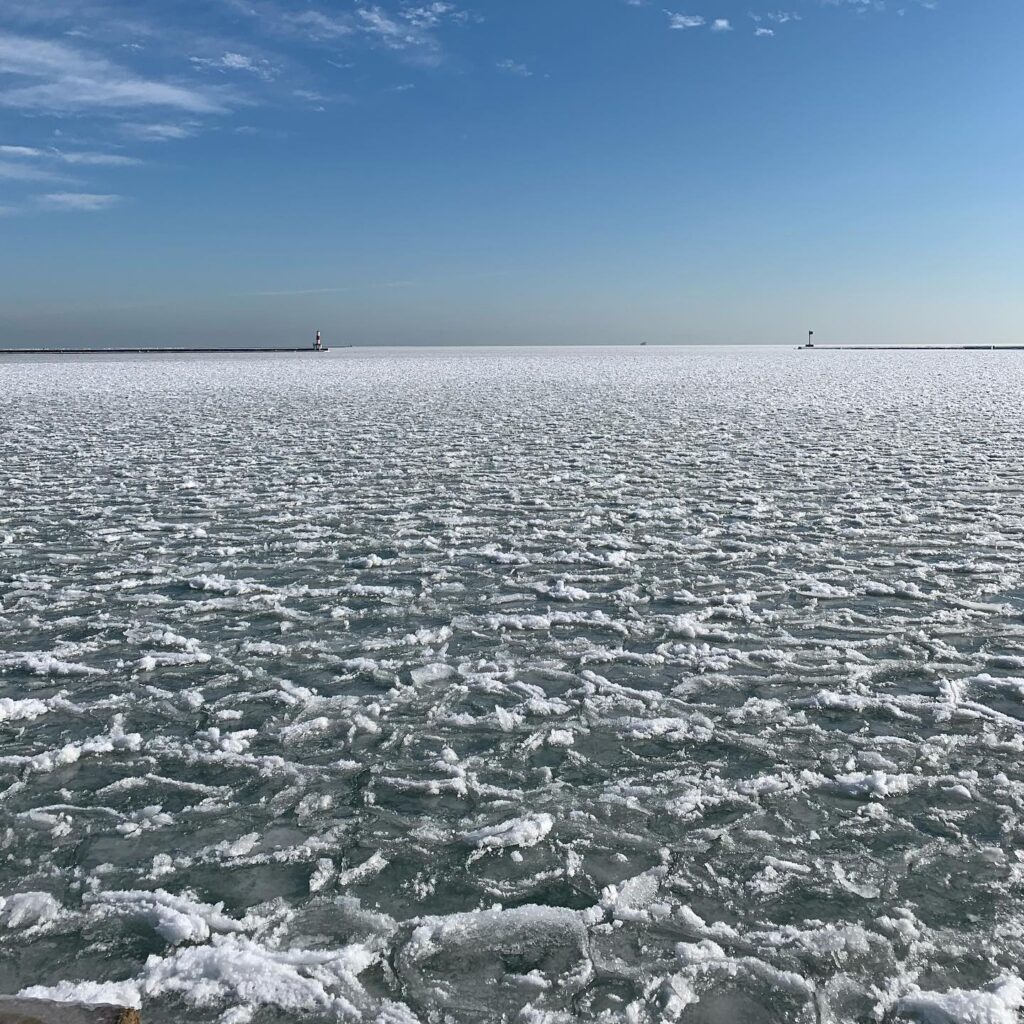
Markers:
(625, 685)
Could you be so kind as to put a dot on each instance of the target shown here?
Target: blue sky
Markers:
(511, 171)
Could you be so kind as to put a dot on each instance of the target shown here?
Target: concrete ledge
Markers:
(42, 1011)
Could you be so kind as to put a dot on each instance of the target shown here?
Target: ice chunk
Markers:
(176, 918)
(525, 831)
(1000, 1003)
(113, 993)
(239, 969)
(26, 909)
(461, 963)
(21, 710)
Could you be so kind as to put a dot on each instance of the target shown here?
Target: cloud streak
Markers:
(513, 67)
(159, 131)
(681, 22)
(230, 61)
(409, 30)
(84, 159)
(11, 170)
(64, 79)
(84, 202)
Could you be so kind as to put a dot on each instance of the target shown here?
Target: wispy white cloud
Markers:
(83, 159)
(317, 25)
(429, 15)
(20, 170)
(512, 67)
(65, 79)
(77, 201)
(773, 18)
(25, 163)
(230, 61)
(159, 132)
(408, 29)
(865, 6)
(106, 20)
(768, 21)
(859, 5)
(680, 22)
(97, 159)
(21, 151)
(401, 33)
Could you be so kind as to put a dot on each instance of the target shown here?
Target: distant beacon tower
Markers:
(810, 338)
(316, 344)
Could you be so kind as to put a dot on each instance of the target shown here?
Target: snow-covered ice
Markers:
(445, 687)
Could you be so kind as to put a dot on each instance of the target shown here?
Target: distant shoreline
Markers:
(911, 348)
(548, 347)
(149, 351)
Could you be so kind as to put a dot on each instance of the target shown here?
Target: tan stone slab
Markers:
(42, 1011)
